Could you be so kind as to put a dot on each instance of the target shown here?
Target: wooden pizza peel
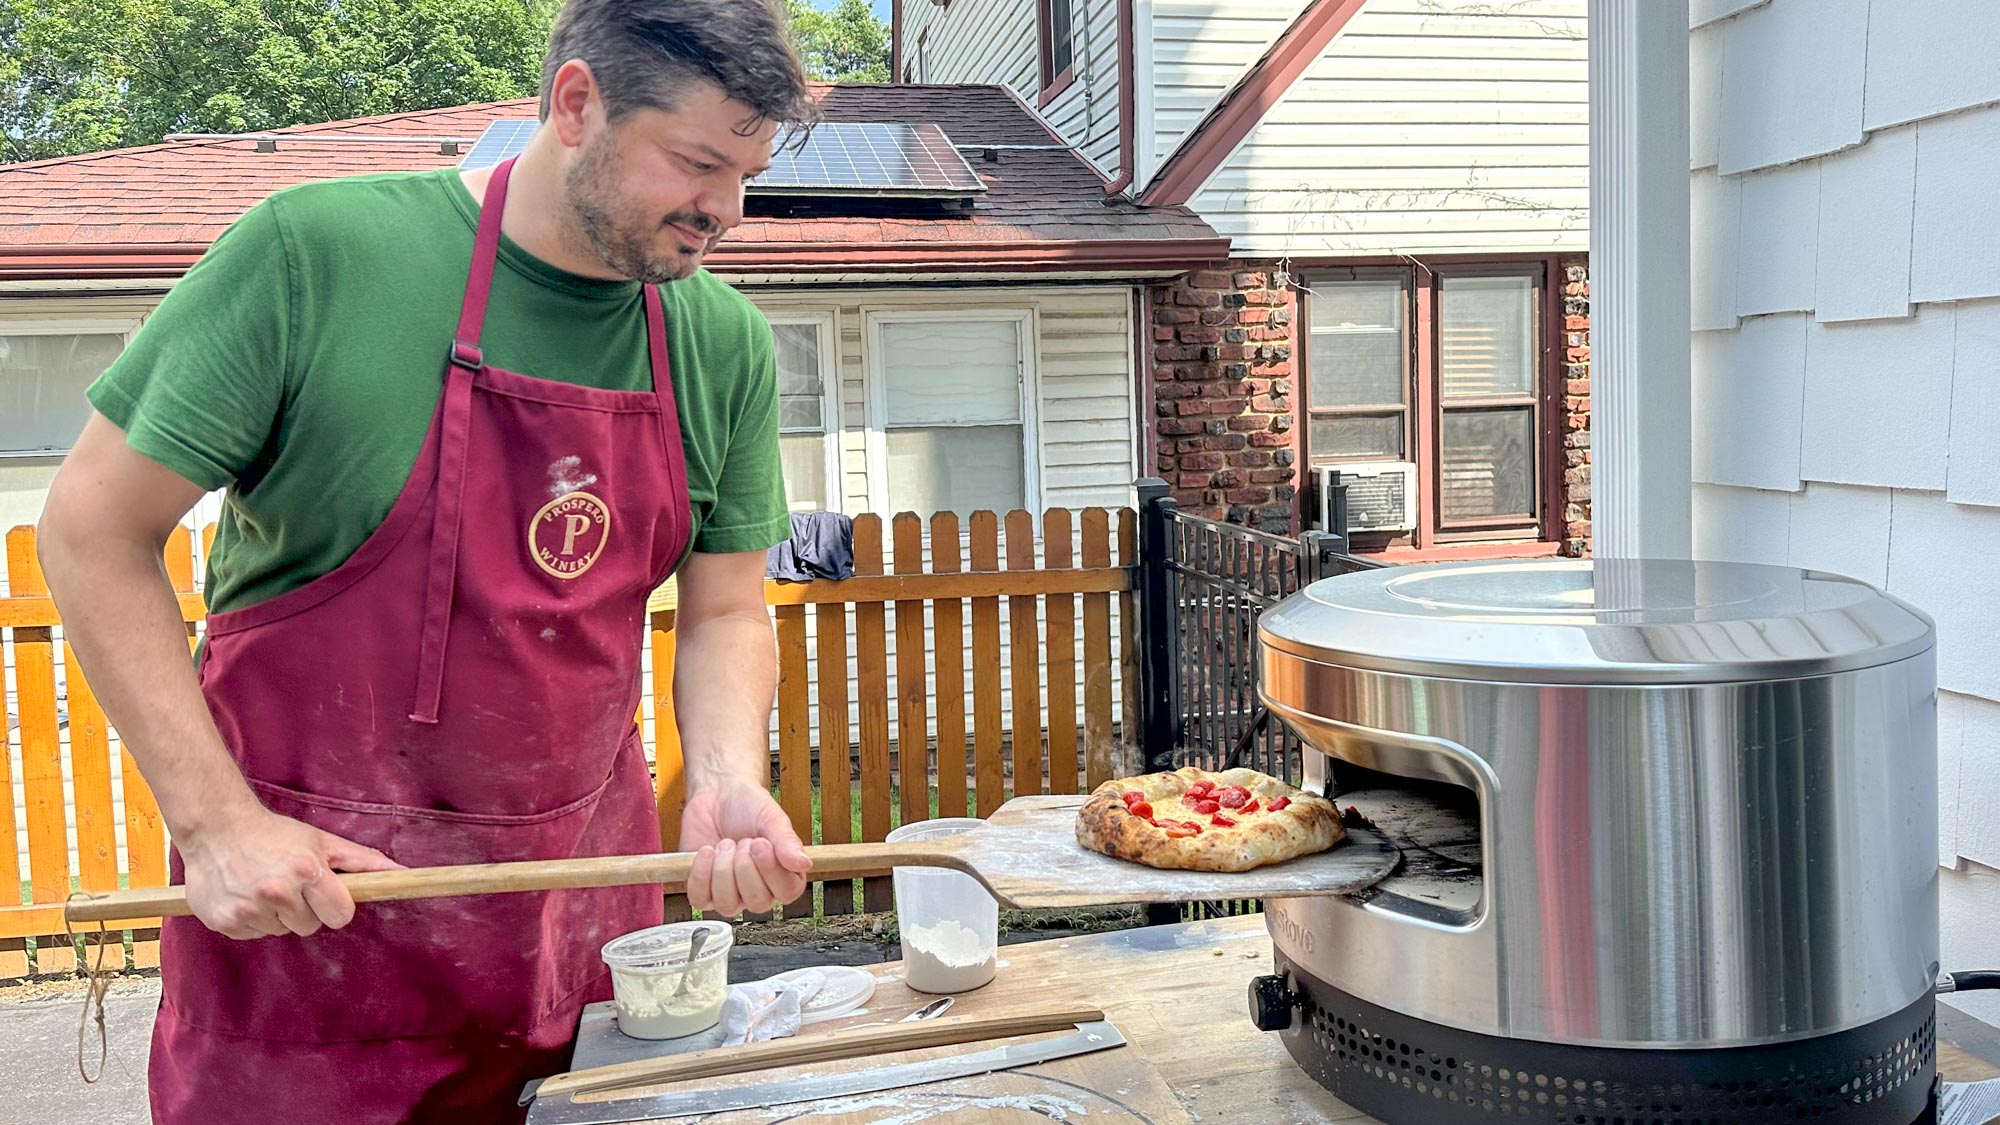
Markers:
(1026, 855)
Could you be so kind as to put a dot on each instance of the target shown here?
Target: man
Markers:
(467, 422)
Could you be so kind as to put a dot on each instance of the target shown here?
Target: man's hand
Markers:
(746, 855)
(267, 874)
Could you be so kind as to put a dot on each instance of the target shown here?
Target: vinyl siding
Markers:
(1846, 285)
(1426, 126)
(996, 42)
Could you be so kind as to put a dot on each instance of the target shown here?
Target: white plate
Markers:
(846, 989)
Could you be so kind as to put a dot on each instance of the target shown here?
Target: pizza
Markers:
(1195, 820)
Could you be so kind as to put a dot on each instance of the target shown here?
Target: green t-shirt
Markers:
(300, 361)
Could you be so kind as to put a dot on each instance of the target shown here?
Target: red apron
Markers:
(461, 690)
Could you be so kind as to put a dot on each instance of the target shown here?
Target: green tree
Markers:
(82, 75)
(843, 44)
(85, 75)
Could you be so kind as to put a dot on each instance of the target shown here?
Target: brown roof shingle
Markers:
(178, 196)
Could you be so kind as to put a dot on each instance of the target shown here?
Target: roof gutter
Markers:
(1128, 103)
(29, 263)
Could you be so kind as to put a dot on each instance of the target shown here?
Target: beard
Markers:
(616, 231)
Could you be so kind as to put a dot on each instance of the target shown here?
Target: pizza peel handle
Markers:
(670, 870)
(1027, 856)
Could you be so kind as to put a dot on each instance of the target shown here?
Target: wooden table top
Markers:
(1179, 995)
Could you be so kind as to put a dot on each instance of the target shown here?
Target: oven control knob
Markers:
(1271, 1003)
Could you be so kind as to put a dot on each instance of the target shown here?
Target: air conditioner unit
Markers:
(1381, 495)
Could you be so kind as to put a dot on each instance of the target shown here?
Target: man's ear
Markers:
(575, 102)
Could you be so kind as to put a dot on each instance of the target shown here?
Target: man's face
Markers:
(650, 195)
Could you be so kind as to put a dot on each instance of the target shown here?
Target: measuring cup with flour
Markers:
(950, 926)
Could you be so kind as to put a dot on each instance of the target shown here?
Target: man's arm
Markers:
(725, 675)
(102, 542)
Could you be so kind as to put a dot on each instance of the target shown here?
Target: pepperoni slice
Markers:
(1233, 797)
(1279, 804)
(1141, 809)
(1221, 821)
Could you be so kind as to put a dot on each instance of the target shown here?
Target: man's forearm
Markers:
(119, 614)
(725, 678)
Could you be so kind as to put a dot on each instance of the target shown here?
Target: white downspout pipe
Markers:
(1640, 421)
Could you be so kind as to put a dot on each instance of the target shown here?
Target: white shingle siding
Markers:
(1704, 97)
(1715, 216)
(1426, 126)
(1892, 104)
(1929, 57)
(1792, 80)
(1704, 12)
(1977, 800)
(1867, 196)
(1878, 401)
(1779, 227)
(1842, 529)
(1957, 229)
(1748, 391)
(1941, 558)
(1741, 524)
(1973, 472)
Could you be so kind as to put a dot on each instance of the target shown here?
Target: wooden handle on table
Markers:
(830, 861)
(773, 1053)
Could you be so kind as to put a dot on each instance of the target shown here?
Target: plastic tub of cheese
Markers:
(647, 970)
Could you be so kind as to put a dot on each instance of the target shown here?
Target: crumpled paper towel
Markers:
(767, 1009)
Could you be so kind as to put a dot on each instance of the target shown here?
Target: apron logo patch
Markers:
(569, 533)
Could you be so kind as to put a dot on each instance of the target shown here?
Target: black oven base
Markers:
(1414, 1072)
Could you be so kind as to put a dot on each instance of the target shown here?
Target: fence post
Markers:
(1158, 645)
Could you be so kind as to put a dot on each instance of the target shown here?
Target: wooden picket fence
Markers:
(1070, 625)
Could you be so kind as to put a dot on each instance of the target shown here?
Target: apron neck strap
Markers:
(479, 285)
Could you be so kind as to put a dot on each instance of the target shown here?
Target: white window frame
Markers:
(124, 327)
(1028, 339)
(834, 499)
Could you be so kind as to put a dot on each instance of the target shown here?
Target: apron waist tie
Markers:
(453, 438)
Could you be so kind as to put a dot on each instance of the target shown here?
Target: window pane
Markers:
(804, 459)
(959, 469)
(1357, 436)
(1486, 336)
(1488, 463)
(1059, 36)
(941, 372)
(800, 388)
(1357, 343)
(42, 380)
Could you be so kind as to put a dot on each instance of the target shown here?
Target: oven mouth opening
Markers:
(1436, 824)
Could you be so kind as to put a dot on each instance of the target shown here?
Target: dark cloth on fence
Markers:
(821, 546)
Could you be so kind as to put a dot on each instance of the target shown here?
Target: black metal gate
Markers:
(1202, 586)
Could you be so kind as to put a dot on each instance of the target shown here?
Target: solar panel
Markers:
(501, 140)
(838, 158)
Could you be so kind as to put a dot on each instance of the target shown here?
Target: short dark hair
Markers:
(644, 53)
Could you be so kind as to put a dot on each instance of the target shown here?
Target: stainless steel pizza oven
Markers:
(1670, 844)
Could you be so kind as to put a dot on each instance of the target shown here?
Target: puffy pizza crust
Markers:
(1309, 824)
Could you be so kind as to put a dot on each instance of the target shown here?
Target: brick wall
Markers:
(1223, 393)
(1575, 278)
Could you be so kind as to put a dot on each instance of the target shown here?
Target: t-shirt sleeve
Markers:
(202, 384)
(750, 513)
